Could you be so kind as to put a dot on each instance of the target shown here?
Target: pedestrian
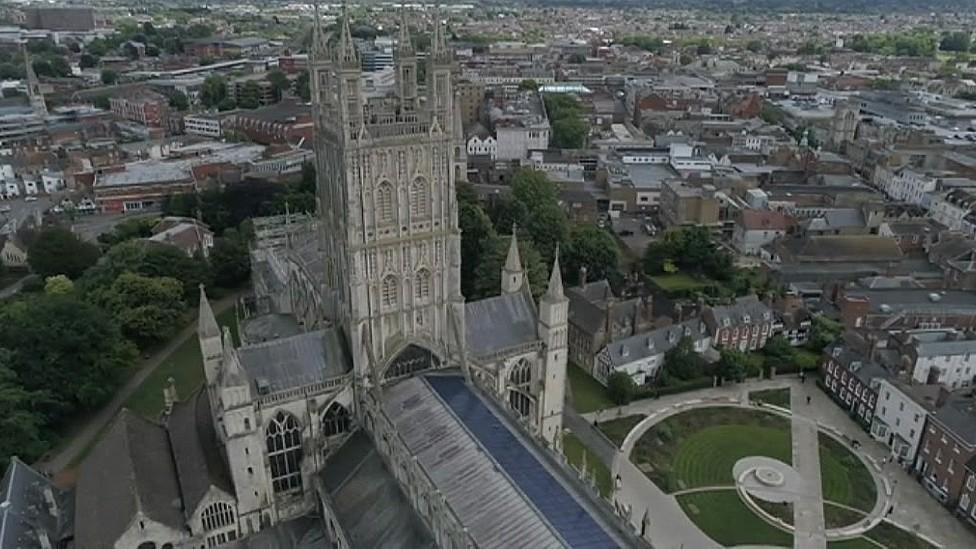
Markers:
(808, 399)
(803, 376)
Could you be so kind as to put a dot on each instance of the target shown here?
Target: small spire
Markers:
(513, 263)
(438, 46)
(207, 323)
(347, 50)
(404, 44)
(555, 290)
(320, 46)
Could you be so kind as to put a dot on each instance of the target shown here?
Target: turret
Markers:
(513, 276)
(208, 334)
(350, 86)
(552, 329)
(440, 94)
(406, 65)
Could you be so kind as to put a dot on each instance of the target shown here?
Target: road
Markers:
(9, 291)
(66, 455)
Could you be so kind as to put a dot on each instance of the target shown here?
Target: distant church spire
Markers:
(320, 46)
(404, 46)
(438, 46)
(513, 276)
(34, 87)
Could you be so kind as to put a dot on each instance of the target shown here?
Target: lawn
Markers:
(893, 537)
(839, 517)
(845, 478)
(617, 429)
(698, 448)
(722, 516)
(776, 397)
(679, 282)
(588, 394)
(782, 511)
(574, 450)
(184, 365)
(855, 543)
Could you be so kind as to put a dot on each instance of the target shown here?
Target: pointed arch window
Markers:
(521, 373)
(422, 285)
(520, 402)
(390, 291)
(419, 199)
(335, 420)
(284, 439)
(385, 200)
(217, 515)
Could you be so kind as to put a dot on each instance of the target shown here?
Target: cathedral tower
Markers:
(389, 214)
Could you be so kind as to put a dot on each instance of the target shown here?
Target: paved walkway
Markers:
(590, 436)
(808, 514)
(913, 509)
(66, 454)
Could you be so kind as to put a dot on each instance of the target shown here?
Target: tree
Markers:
(102, 102)
(22, 426)
(528, 85)
(955, 41)
(779, 353)
(593, 248)
(57, 251)
(621, 387)
(58, 285)
(87, 61)
(302, 86)
(146, 258)
(733, 365)
(148, 309)
(213, 90)
(755, 46)
(570, 133)
(545, 222)
(230, 260)
(227, 104)
(682, 362)
(478, 236)
(179, 101)
(109, 77)
(69, 348)
(279, 83)
(137, 227)
(824, 332)
(250, 96)
(651, 44)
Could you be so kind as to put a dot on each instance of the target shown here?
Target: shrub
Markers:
(621, 388)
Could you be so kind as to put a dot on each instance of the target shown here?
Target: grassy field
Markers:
(722, 516)
(782, 511)
(588, 394)
(574, 450)
(699, 447)
(776, 397)
(856, 543)
(845, 478)
(893, 537)
(678, 282)
(839, 517)
(617, 429)
(185, 365)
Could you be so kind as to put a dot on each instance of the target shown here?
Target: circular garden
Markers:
(691, 455)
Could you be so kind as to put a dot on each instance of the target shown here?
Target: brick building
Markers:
(744, 325)
(145, 107)
(849, 378)
(946, 460)
(281, 123)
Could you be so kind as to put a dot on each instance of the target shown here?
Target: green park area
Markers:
(574, 449)
(184, 365)
(723, 516)
(775, 397)
(846, 480)
(588, 394)
(678, 282)
(616, 429)
(698, 448)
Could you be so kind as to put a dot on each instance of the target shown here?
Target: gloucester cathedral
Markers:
(363, 402)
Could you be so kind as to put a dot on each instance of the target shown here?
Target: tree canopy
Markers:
(57, 251)
(593, 248)
(569, 129)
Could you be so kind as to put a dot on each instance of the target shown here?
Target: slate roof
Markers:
(918, 301)
(371, 508)
(591, 305)
(958, 415)
(746, 310)
(764, 220)
(855, 361)
(130, 469)
(486, 502)
(199, 463)
(24, 510)
(945, 348)
(655, 342)
(838, 248)
(282, 364)
(498, 323)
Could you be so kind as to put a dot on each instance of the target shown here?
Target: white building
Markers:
(641, 356)
(899, 416)
(202, 124)
(482, 146)
(757, 228)
(938, 358)
(52, 181)
(521, 126)
(906, 185)
(954, 209)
